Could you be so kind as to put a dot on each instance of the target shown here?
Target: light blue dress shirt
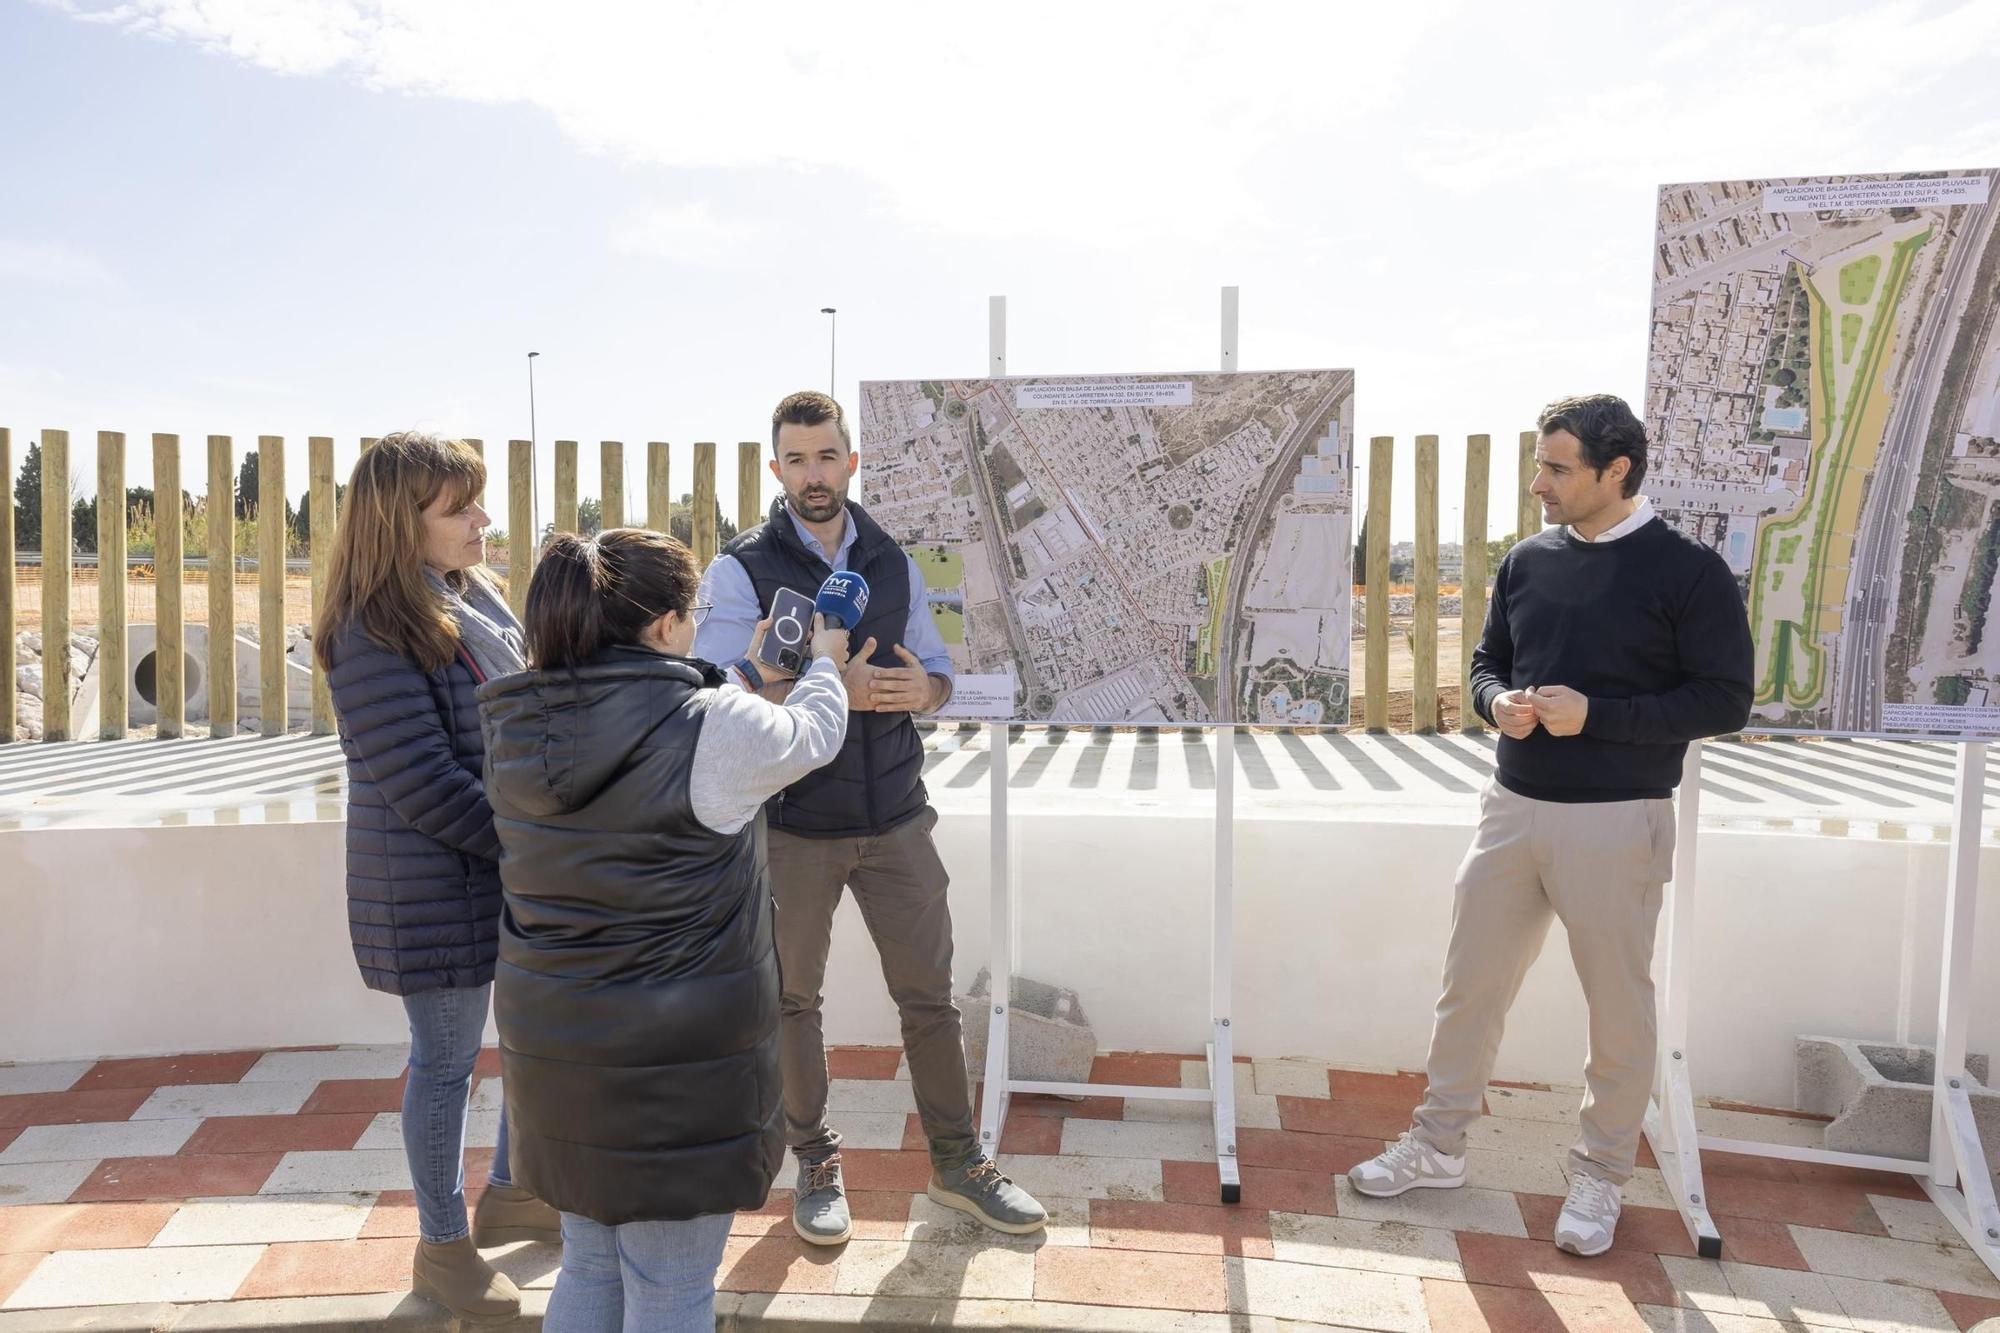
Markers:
(724, 636)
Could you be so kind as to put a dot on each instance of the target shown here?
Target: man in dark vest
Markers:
(862, 823)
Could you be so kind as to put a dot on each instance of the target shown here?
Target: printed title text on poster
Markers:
(1854, 196)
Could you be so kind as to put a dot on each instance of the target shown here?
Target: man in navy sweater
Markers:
(1611, 642)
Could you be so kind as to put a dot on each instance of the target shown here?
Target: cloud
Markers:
(1731, 93)
(286, 36)
(1118, 121)
(1457, 196)
(52, 264)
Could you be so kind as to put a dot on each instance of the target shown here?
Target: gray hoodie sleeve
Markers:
(751, 749)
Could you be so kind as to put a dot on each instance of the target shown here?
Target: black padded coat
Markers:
(637, 988)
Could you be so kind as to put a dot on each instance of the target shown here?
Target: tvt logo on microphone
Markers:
(843, 599)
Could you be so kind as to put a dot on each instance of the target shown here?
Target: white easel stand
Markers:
(1221, 1089)
(1955, 1176)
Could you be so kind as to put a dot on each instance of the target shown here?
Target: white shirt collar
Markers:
(1642, 514)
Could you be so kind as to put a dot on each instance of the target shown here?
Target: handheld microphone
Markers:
(843, 600)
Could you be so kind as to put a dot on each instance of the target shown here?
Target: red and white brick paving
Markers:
(251, 1176)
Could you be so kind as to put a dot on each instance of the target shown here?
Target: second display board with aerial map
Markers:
(1140, 549)
(1823, 395)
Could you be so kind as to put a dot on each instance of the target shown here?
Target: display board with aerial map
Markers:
(1145, 549)
(1823, 395)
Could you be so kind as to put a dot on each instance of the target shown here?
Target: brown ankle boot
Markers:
(508, 1213)
(454, 1275)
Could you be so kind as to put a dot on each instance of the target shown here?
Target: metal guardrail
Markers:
(88, 560)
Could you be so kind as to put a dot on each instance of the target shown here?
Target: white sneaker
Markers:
(1409, 1164)
(1589, 1215)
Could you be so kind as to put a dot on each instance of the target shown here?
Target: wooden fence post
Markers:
(1472, 572)
(1527, 508)
(703, 518)
(566, 519)
(1381, 462)
(169, 568)
(323, 518)
(7, 721)
(221, 587)
(272, 702)
(1424, 610)
(521, 541)
(478, 447)
(749, 485)
(611, 483)
(55, 585)
(659, 487)
(113, 656)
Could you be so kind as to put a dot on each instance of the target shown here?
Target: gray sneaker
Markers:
(976, 1186)
(819, 1204)
(1408, 1164)
(1589, 1217)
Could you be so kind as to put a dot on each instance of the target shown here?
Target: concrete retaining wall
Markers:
(145, 941)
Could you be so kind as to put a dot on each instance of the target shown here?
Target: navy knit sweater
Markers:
(1650, 627)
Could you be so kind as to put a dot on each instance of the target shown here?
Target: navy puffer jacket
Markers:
(423, 874)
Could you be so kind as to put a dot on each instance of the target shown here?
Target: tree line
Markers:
(140, 502)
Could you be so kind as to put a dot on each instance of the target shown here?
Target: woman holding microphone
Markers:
(637, 987)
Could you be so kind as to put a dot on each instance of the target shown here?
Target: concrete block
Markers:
(142, 665)
(142, 656)
(1048, 1037)
(1879, 1094)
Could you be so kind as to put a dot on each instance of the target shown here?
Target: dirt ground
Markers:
(141, 605)
(1402, 675)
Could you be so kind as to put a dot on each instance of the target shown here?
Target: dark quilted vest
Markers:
(876, 782)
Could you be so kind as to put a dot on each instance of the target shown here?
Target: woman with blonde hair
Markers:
(637, 990)
(410, 628)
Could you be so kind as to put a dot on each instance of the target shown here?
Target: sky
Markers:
(342, 218)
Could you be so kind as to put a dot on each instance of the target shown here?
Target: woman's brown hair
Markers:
(589, 594)
(375, 578)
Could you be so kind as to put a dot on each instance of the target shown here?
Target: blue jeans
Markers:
(645, 1277)
(445, 1028)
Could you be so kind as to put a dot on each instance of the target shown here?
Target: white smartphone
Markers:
(788, 644)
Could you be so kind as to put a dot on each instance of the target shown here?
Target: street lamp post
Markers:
(531, 398)
(832, 344)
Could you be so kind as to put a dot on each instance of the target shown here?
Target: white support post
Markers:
(1004, 949)
(1957, 1157)
(1000, 950)
(1961, 884)
(1222, 928)
(1000, 912)
(1670, 1124)
(1229, 328)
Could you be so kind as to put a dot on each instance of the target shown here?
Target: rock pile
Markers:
(29, 678)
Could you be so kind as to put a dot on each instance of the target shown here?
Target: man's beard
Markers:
(818, 506)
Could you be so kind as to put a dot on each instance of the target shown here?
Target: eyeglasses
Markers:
(696, 613)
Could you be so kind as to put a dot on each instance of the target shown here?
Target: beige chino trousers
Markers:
(1601, 869)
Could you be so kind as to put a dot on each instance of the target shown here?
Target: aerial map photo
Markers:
(1823, 394)
(1143, 549)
